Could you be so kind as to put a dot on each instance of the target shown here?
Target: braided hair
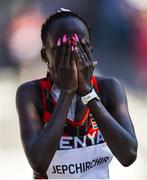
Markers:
(45, 27)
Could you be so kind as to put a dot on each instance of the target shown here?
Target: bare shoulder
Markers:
(108, 82)
(29, 88)
(28, 93)
(111, 91)
(28, 111)
(109, 85)
(29, 85)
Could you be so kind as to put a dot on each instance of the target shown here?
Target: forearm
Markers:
(122, 144)
(45, 144)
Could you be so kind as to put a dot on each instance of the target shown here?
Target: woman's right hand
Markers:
(65, 70)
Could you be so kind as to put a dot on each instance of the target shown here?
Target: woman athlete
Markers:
(72, 122)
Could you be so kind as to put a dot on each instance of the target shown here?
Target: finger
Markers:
(77, 41)
(83, 49)
(83, 44)
(63, 50)
(82, 56)
(93, 66)
(86, 48)
(94, 63)
(80, 59)
(72, 60)
(57, 53)
(68, 53)
(77, 57)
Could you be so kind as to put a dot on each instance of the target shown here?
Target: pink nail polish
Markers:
(76, 37)
(59, 42)
(64, 39)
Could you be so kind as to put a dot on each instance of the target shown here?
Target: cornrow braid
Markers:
(60, 13)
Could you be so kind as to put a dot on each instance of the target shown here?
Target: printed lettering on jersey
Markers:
(79, 167)
(71, 142)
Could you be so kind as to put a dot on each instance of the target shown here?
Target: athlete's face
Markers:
(60, 27)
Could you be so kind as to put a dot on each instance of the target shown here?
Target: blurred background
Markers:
(119, 39)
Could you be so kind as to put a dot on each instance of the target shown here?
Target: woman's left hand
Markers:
(85, 66)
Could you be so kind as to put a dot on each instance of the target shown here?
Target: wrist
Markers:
(88, 97)
(85, 90)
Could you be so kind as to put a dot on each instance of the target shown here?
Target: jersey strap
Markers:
(45, 85)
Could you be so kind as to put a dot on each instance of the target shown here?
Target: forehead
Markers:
(69, 26)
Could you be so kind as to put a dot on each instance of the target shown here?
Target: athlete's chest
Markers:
(80, 134)
(80, 129)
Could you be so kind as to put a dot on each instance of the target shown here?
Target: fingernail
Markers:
(69, 41)
(72, 48)
(64, 39)
(83, 41)
(59, 42)
(95, 62)
(76, 49)
(76, 37)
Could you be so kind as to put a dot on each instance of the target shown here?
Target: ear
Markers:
(44, 55)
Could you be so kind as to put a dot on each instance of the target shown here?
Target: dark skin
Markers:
(71, 71)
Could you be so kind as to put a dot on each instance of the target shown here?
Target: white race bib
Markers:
(81, 163)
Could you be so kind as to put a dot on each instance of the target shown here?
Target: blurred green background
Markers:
(119, 40)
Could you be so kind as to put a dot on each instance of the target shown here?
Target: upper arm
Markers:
(29, 119)
(117, 106)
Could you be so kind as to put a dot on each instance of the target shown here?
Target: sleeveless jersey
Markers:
(82, 151)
